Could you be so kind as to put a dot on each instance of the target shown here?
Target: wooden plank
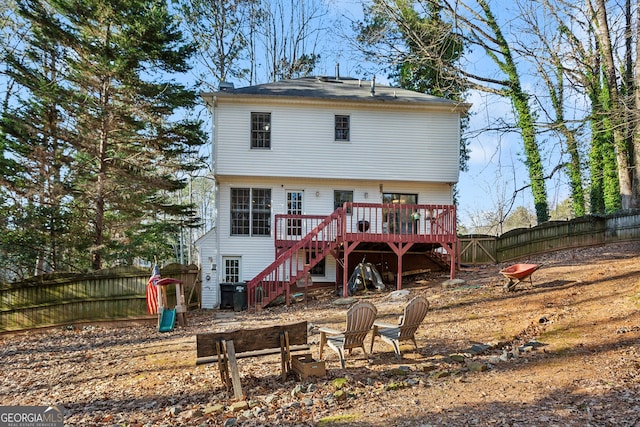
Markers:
(235, 374)
(252, 339)
(285, 355)
(256, 353)
(222, 364)
(416, 272)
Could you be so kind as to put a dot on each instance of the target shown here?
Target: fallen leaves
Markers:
(559, 350)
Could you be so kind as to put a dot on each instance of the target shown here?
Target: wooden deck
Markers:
(302, 241)
(399, 226)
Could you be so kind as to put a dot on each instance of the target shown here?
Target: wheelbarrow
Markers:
(517, 273)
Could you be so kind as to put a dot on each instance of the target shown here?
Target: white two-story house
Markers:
(315, 174)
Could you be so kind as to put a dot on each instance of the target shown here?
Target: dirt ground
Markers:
(562, 350)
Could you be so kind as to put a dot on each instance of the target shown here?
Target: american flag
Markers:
(152, 291)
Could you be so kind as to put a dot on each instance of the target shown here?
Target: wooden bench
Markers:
(227, 347)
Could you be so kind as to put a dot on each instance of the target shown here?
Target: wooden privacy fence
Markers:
(550, 236)
(63, 298)
(477, 249)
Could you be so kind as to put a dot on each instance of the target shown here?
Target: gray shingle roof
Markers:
(330, 88)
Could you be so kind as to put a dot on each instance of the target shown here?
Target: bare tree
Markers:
(289, 35)
(222, 32)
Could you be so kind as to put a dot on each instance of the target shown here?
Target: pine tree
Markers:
(36, 156)
(119, 109)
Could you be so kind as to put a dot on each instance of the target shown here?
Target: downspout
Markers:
(212, 110)
(216, 199)
(211, 106)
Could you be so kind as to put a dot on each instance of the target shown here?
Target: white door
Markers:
(294, 207)
(232, 272)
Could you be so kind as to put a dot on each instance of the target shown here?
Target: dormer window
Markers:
(260, 130)
(342, 128)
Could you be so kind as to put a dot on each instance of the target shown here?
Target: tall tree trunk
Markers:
(636, 115)
(575, 174)
(616, 111)
(554, 79)
(100, 207)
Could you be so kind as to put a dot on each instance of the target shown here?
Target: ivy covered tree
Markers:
(102, 102)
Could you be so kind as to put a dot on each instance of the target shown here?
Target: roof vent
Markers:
(225, 86)
(373, 86)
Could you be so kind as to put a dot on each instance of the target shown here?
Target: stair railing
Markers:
(295, 262)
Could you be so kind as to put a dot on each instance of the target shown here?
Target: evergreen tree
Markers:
(36, 155)
(117, 109)
(438, 79)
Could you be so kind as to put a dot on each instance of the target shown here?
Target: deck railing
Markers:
(375, 222)
(291, 229)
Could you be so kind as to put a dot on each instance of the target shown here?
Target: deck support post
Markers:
(400, 249)
(452, 250)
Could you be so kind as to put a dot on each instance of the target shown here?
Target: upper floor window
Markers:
(342, 128)
(260, 130)
(250, 212)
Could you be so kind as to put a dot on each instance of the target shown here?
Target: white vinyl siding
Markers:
(391, 149)
(208, 260)
(409, 145)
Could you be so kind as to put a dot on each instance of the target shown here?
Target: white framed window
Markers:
(250, 212)
(260, 130)
(342, 128)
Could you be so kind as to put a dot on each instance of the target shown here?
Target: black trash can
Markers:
(226, 295)
(240, 296)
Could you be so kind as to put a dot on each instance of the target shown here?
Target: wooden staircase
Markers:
(291, 265)
(441, 259)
